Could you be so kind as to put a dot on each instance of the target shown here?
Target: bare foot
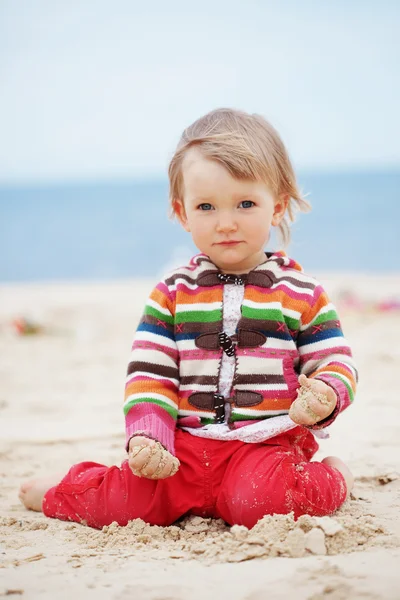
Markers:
(31, 493)
(334, 461)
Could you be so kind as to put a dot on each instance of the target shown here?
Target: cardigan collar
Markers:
(264, 275)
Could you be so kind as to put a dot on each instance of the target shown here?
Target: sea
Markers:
(121, 229)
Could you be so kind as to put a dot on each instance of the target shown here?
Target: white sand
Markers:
(60, 402)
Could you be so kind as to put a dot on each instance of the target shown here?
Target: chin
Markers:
(227, 258)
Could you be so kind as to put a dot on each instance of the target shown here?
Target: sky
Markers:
(91, 89)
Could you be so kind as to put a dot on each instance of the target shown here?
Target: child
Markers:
(238, 359)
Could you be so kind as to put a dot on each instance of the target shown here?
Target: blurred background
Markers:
(94, 96)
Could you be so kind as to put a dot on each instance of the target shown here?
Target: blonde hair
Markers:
(249, 148)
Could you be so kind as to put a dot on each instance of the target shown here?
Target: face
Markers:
(229, 219)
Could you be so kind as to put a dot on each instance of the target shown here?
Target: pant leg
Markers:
(276, 477)
(97, 495)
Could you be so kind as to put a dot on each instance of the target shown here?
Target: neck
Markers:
(242, 268)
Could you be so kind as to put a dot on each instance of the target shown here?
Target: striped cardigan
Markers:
(288, 326)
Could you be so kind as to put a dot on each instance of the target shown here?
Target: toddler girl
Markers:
(238, 361)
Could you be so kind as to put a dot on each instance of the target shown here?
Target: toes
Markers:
(24, 488)
(24, 492)
(23, 497)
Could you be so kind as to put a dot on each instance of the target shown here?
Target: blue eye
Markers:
(205, 206)
(247, 204)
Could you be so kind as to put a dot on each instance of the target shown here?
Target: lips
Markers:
(228, 243)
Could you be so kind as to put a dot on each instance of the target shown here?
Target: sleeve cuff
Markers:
(151, 421)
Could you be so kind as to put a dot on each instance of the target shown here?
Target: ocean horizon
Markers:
(120, 229)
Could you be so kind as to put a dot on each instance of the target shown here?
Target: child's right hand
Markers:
(148, 458)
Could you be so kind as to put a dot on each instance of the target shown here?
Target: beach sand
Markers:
(61, 402)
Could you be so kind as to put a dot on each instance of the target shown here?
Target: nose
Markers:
(226, 222)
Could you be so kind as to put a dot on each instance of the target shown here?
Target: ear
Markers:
(179, 210)
(280, 209)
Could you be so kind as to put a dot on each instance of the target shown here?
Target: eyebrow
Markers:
(236, 197)
(202, 199)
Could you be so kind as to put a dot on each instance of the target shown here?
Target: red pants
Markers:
(234, 481)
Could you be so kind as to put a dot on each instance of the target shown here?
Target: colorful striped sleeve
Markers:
(324, 352)
(151, 390)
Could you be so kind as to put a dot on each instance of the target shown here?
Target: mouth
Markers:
(228, 243)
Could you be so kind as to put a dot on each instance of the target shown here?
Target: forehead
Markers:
(202, 175)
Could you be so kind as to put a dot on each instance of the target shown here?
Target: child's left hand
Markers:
(315, 401)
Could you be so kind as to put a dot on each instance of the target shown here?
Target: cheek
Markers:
(258, 231)
(200, 229)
